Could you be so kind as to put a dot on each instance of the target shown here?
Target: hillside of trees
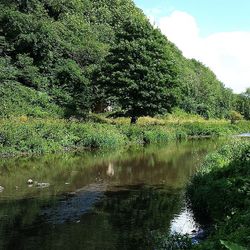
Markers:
(64, 58)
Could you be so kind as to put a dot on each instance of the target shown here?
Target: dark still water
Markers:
(98, 200)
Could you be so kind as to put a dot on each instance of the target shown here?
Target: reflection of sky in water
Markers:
(184, 222)
(245, 135)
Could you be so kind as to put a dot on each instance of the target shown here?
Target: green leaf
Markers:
(232, 246)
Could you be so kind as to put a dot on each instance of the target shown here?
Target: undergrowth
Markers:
(27, 135)
(220, 195)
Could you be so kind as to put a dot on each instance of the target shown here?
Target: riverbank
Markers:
(24, 136)
(220, 196)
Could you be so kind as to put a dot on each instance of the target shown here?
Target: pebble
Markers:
(42, 185)
(30, 182)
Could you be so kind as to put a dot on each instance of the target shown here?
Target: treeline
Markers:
(69, 57)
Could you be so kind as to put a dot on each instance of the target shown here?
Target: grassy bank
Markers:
(25, 135)
(220, 194)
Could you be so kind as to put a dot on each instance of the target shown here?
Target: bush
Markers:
(46, 136)
(96, 135)
(24, 134)
(235, 116)
(17, 100)
(220, 192)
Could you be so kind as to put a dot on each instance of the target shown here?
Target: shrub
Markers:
(96, 135)
(235, 116)
(220, 192)
(24, 134)
(17, 100)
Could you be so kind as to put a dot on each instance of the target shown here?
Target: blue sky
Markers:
(212, 15)
(215, 32)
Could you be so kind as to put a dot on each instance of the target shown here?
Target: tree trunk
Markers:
(99, 107)
(133, 120)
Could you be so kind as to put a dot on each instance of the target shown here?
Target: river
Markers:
(98, 200)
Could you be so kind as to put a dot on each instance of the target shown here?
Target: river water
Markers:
(98, 200)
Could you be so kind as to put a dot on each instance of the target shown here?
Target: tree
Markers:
(243, 104)
(235, 116)
(87, 54)
(201, 92)
(140, 70)
(48, 46)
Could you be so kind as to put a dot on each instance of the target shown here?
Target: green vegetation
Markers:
(220, 192)
(139, 71)
(25, 135)
(173, 242)
(67, 58)
(63, 63)
(72, 59)
(44, 136)
(17, 99)
(243, 104)
(235, 116)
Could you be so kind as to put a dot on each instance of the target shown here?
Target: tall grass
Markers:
(46, 136)
(23, 135)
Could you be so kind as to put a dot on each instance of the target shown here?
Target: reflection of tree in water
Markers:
(22, 227)
(134, 214)
(123, 220)
(172, 165)
(17, 219)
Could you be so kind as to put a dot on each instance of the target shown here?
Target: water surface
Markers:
(245, 135)
(98, 200)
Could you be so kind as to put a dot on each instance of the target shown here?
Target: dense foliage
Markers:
(81, 55)
(202, 93)
(37, 136)
(243, 104)
(140, 70)
(225, 172)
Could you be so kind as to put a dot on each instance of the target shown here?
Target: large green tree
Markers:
(139, 73)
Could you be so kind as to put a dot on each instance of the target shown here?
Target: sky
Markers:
(215, 32)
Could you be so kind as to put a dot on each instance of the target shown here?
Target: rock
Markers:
(30, 182)
(1, 189)
(198, 236)
(42, 185)
(71, 194)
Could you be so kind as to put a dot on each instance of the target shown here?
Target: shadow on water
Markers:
(98, 200)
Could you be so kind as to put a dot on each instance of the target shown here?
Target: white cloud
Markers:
(152, 13)
(226, 53)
